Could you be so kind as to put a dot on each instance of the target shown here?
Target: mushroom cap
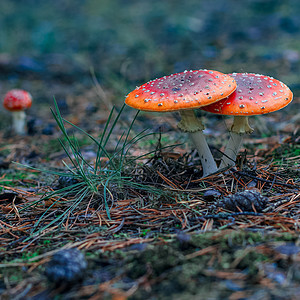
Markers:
(17, 100)
(185, 90)
(255, 95)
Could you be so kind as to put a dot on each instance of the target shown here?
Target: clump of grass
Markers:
(101, 181)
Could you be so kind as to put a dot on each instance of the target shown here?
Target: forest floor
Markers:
(148, 225)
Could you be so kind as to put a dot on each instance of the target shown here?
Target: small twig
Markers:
(230, 215)
(265, 180)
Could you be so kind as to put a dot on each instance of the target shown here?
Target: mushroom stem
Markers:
(191, 124)
(19, 118)
(232, 148)
(208, 163)
(239, 127)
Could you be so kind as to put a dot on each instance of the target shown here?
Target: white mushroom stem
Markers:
(19, 118)
(191, 124)
(238, 129)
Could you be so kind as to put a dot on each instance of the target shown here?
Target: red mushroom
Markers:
(17, 101)
(184, 92)
(255, 95)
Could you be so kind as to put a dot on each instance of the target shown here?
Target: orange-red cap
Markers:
(186, 90)
(255, 94)
(16, 100)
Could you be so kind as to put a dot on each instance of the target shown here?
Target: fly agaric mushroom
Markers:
(184, 92)
(255, 95)
(17, 101)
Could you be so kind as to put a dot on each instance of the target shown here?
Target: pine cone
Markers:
(66, 267)
(66, 181)
(248, 200)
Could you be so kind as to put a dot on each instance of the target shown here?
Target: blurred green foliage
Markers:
(139, 39)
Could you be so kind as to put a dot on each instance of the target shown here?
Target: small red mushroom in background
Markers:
(17, 101)
(255, 95)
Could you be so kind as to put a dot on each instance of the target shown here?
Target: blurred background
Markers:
(52, 48)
